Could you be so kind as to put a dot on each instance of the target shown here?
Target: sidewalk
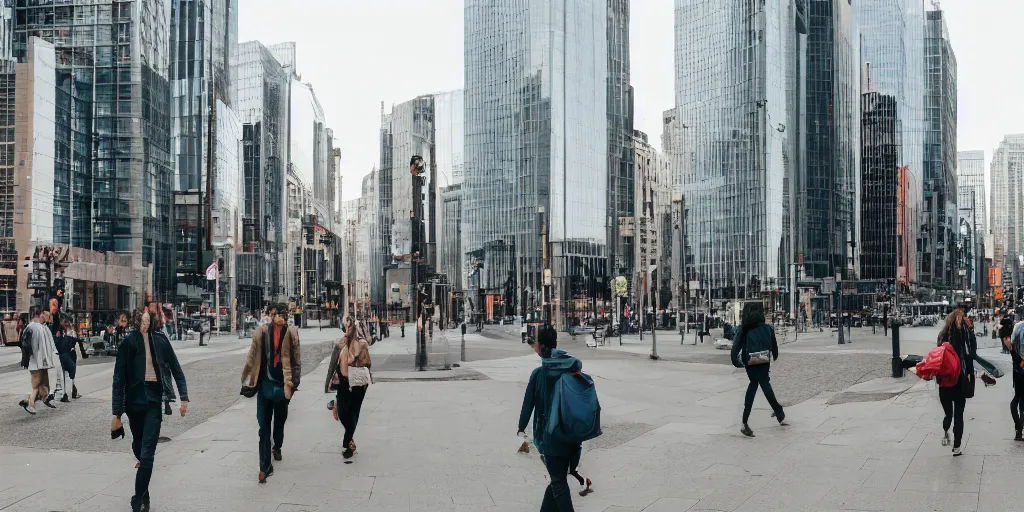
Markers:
(670, 443)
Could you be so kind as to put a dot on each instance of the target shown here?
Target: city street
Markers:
(445, 440)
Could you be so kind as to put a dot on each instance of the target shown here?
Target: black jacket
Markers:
(754, 338)
(130, 371)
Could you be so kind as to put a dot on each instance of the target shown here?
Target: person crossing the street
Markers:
(754, 347)
(138, 391)
(38, 356)
(274, 368)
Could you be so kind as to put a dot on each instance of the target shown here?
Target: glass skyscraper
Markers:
(939, 202)
(263, 88)
(735, 62)
(826, 179)
(112, 185)
(536, 147)
(892, 53)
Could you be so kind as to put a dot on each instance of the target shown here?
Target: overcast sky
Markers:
(358, 54)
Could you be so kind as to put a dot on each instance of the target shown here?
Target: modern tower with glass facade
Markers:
(536, 152)
(735, 63)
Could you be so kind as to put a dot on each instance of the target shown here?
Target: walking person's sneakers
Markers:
(746, 431)
(945, 439)
(65, 399)
(49, 402)
(781, 416)
(28, 408)
(350, 450)
(277, 454)
(957, 452)
(74, 392)
(584, 482)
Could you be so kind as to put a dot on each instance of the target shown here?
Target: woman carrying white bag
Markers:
(349, 375)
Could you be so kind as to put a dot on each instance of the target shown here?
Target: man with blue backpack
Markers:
(563, 402)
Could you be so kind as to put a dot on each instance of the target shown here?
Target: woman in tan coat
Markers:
(351, 351)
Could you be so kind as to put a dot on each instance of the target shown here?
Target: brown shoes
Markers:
(263, 477)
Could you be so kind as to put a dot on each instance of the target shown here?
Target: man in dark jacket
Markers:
(559, 458)
(138, 390)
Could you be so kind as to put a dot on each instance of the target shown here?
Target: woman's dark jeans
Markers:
(953, 405)
(759, 375)
(349, 402)
(557, 497)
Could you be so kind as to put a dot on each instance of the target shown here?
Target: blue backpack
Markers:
(575, 414)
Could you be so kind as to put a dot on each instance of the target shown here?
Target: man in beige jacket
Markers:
(274, 368)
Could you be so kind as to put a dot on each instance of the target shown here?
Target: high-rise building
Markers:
(892, 53)
(883, 246)
(621, 168)
(973, 215)
(940, 220)
(733, 112)
(1007, 171)
(203, 50)
(263, 92)
(536, 100)
(451, 257)
(826, 171)
(406, 131)
(112, 184)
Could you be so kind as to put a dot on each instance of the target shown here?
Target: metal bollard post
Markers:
(897, 361)
(463, 341)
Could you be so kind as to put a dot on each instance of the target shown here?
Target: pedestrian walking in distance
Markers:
(560, 457)
(1016, 347)
(348, 375)
(1005, 331)
(138, 391)
(953, 395)
(754, 347)
(273, 368)
(38, 356)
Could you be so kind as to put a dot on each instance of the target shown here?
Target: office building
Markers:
(112, 186)
(203, 48)
(940, 222)
(406, 131)
(972, 201)
(825, 173)
(734, 110)
(1007, 172)
(621, 168)
(536, 100)
(451, 257)
(263, 93)
(884, 246)
(892, 54)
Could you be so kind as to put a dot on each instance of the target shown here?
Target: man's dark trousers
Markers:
(557, 496)
(144, 423)
(269, 412)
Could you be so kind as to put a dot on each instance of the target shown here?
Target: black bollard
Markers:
(897, 361)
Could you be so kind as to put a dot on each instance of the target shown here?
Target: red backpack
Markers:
(941, 363)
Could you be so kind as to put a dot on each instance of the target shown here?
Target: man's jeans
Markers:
(269, 412)
(144, 422)
(557, 497)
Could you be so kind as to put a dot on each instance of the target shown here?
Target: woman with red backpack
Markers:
(954, 394)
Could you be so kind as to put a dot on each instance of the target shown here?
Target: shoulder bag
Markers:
(359, 375)
(757, 358)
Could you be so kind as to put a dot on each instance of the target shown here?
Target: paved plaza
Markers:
(444, 440)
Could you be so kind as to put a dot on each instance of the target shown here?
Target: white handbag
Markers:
(359, 376)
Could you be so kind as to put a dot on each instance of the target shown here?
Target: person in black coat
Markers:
(954, 398)
(138, 391)
(755, 337)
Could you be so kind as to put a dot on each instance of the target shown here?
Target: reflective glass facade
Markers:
(883, 183)
(892, 51)
(970, 192)
(734, 63)
(828, 182)
(621, 168)
(120, 50)
(940, 218)
(263, 88)
(1008, 206)
(536, 138)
